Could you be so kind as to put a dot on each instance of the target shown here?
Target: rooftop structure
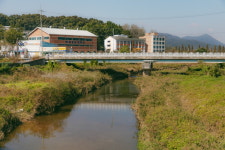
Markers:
(57, 31)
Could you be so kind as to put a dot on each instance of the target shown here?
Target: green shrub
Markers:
(7, 122)
(5, 68)
(215, 71)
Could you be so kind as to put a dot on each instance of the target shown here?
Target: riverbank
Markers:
(28, 91)
(182, 107)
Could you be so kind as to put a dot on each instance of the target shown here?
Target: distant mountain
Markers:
(205, 39)
(195, 41)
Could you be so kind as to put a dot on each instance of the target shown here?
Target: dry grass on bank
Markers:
(27, 91)
(182, 107)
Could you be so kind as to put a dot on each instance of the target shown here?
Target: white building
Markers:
(114, 43)
(154, 42)
(34, 48)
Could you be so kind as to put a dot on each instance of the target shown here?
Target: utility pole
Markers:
(17, 47)
(41, 43)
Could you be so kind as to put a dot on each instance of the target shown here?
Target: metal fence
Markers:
(116, 55)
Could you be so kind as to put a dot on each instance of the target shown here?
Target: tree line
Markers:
(190, 48)
(21, 24)
(28, 22)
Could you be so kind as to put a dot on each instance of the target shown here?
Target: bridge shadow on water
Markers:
(115, 74)
(179, 73)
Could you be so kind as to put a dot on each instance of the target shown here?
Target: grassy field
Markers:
(181, 106)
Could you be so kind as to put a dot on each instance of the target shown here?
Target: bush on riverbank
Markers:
(182, 107)
(31, 91)
(7, 122)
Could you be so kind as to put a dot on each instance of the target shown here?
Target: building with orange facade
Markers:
(50, 39)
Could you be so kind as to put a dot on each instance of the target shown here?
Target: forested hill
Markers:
(205, 38)
(191, 41)
(28, 22)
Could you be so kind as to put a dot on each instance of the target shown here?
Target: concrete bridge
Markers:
(139, 57)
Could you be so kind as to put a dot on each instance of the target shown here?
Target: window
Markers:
(46, 38)
(74, 39)
(61, 38)
(32, 38)
(68, 38)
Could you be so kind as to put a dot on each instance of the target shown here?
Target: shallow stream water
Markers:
(102, 120)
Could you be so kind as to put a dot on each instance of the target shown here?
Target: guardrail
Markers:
(141, 55)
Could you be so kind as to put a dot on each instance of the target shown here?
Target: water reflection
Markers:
(101, 120)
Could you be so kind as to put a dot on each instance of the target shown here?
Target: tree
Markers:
(182, 48)
(102, 30)
(219, 48)
(134, 30)
(201, 50)
(95, 26)
(4, 20)
(189, 48)
(207, 47)
(12, 36)
(223, 49)
(124, 49)
(2, 30)
(192, 48)
(215, 48)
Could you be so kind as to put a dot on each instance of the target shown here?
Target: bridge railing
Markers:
(98, 55)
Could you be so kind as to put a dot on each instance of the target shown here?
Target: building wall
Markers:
(39, 33)
(110, 44)
(72, 43)
(158, 44)
(76, 43)
(114, 43)
(154, 42)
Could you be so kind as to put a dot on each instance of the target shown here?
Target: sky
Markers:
(176, 17)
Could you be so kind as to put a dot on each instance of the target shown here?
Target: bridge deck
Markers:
(139, 57)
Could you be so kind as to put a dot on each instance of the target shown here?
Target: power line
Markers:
(175, 17)
(149, 18)
(139, 18)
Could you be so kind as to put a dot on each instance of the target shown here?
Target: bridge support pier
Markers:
(147, 67)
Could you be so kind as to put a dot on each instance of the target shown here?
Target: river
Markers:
(102, 120)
